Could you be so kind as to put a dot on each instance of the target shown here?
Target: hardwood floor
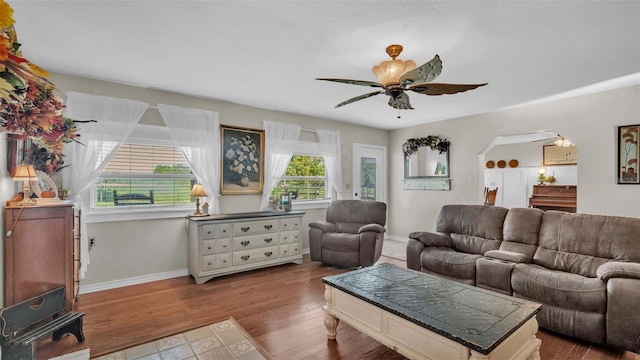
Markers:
(279, 306)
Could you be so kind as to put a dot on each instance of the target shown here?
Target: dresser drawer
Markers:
(290, 224)
(287, 237)
(217, 261)
(216, 246)
(255, 255)
(289, 250)
(255, 227)
(215, 231)
(255, 241)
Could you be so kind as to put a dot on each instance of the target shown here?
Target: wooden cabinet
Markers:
(230, 243)
(39, 251)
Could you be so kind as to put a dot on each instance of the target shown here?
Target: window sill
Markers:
(133, 214)
(308, 205)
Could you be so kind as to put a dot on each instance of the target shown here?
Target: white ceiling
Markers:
(268, 53)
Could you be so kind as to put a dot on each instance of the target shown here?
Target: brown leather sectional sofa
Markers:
(583, 269)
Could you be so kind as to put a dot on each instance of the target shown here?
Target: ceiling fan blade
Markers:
(400, 102)
(424, 73)
(358, 98)
(353, 82)
(440, 89)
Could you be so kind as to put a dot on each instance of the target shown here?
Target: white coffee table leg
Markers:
(331, 323)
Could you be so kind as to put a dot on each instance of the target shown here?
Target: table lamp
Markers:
(541, 171)
(197, 191)
(25, 173)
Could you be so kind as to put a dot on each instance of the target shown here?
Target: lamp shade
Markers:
(25, 172)
(562, 142)
(198, 190)
(390, 71)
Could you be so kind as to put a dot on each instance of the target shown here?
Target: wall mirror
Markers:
(426, 157)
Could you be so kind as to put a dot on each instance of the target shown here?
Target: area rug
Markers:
(225, 340)
(394, 249)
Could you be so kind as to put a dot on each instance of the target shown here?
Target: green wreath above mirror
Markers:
(433, 142)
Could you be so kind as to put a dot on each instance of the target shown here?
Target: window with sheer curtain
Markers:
(305, 179)
(144, 174)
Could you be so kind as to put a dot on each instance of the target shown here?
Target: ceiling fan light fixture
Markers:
(389, 72)
(562, 142)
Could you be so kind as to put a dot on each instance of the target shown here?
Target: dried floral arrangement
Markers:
(433, 142)
(29, 107)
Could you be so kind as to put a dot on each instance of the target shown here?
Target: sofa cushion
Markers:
(474, 229)
(360, 212)
(561, 289)
(446, 261)
(521, 230)
(348, 227)
(341, 242)
(580, 243)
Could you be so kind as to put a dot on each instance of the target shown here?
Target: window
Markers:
(148, 175)
(305, 179)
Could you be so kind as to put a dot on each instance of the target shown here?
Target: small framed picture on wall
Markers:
(628, 154)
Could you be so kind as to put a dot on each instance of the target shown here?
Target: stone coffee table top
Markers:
(476, 318)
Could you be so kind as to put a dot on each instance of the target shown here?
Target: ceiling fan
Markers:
(395, 77)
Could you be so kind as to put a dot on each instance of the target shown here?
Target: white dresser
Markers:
(229, 243)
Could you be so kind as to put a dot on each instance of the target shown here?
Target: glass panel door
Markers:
(369, 172)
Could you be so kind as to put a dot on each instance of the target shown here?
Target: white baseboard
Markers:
(397, 238)
(114, 284)
(108, 285)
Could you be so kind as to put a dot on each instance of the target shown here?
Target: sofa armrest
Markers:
(324, 226)
(618, 269)
(510, 256)
(372, 227)
(431, 239)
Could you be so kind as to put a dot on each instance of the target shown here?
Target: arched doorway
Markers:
(511, 163)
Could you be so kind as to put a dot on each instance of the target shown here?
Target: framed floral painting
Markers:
(628, 154)
(242, 160)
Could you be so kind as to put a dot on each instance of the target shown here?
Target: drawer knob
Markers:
(245, 243)
(245, 229)
(268, 227)
(209, 232)
(224, 231)
(209, 247)
(245, 257)
(268, 240)
(209, 263)
(224, 246)
(268, 253)
(224, 261)
(285, 251)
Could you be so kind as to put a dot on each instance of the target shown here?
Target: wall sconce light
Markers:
(25, 173)
(197, 191)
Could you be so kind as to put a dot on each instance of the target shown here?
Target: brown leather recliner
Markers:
(352, 234)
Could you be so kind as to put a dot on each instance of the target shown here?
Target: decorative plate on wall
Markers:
(490, 164)
(513, 163)
(502, 164)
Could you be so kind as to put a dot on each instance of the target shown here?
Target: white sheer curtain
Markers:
(330, 147)
(197, 133)
(115, 118)
(280, 142)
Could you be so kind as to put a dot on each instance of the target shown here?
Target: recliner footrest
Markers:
(68, 323)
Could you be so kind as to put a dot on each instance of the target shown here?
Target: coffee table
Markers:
(423, 316)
